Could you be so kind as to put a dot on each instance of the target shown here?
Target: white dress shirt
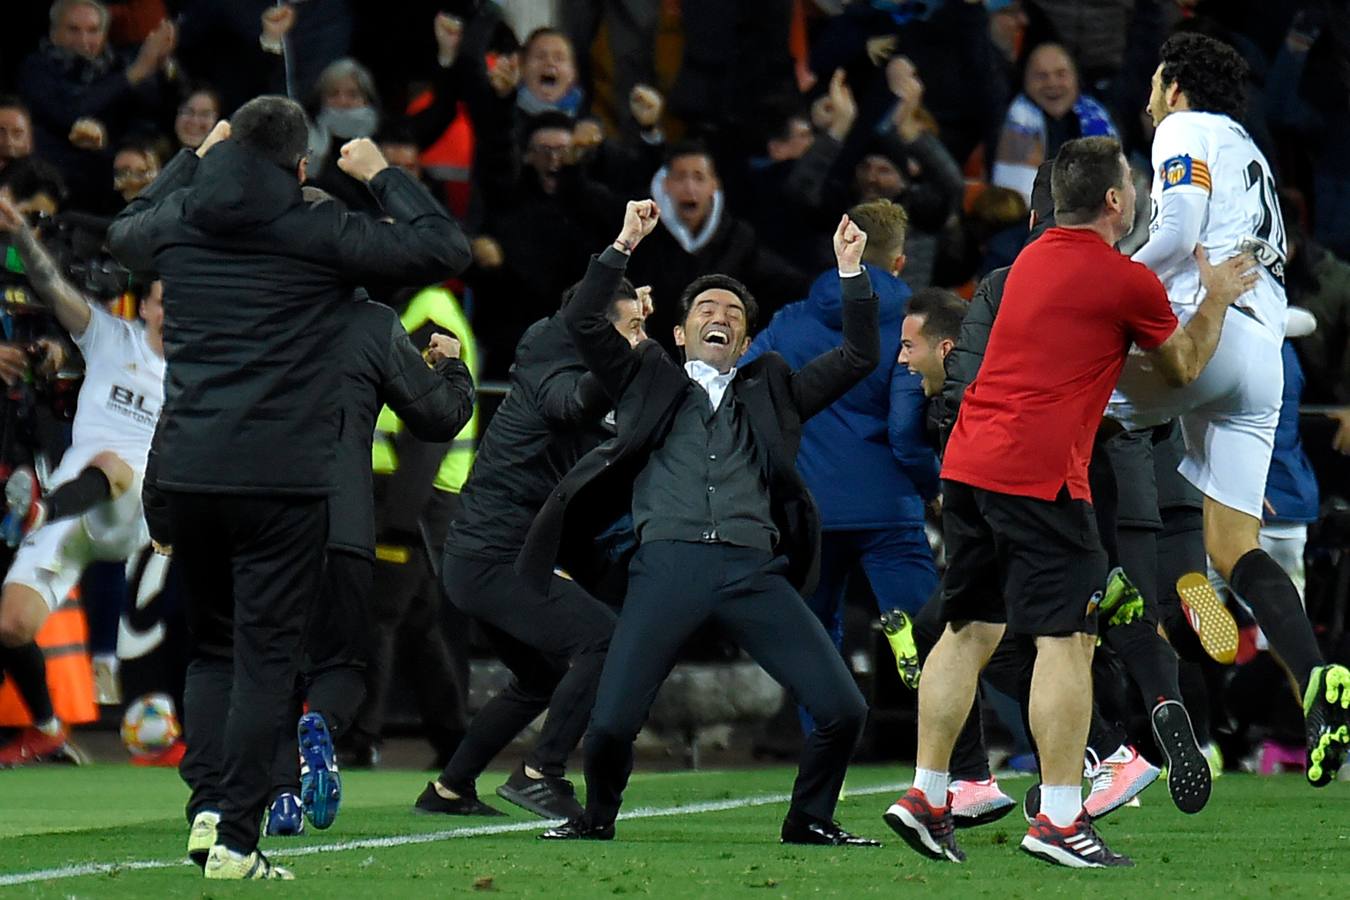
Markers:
(712, 381)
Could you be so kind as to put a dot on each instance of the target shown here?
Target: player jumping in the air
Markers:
(1212, 186)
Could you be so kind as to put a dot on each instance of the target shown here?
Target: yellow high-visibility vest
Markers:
(437, 305)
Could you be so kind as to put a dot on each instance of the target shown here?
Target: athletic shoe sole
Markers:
(1210, 618)
(913, 832)
(985, 816)
(1330, 685)
(1055, 854)
(1188, 778)
(320, 783)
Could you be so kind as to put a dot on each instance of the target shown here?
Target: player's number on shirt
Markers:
(1270, 232)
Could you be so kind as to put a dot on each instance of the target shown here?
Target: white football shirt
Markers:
(1211, 155)
(121, 397)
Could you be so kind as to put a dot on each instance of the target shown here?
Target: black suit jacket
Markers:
(648, 387)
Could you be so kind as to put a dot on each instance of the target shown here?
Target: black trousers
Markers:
(407, 613)
(338, 645)
(674, 587)
(553, 644)
(251, 569)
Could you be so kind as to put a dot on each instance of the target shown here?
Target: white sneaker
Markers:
(202, 837)
(226, 865)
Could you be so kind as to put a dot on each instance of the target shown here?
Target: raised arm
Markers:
(604, 351)
(1183, 356)
(131, 235)
(69, 305)
(433, 396)
(829, 376)
(422, 245)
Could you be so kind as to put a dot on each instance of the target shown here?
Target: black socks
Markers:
(1265, 587)
(28, 667)
(79, 495)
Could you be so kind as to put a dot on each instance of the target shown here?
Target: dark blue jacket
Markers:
(1291, 486)
(865, 458)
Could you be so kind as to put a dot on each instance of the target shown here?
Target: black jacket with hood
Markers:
(252, 275)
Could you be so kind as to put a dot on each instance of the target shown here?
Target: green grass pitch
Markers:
(1260, 837)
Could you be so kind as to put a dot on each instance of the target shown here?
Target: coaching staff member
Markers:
(1024, 552)
(553, 640)
(705, 458)
(246, 446)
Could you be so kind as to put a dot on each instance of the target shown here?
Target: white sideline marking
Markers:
(403, 840)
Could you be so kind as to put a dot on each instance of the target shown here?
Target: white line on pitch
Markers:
(403, 840)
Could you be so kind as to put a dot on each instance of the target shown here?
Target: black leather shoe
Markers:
(579, 830)
(466, 804)
(827, 834)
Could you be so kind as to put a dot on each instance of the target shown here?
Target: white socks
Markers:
(51, 727)
(933, 785)
(1061, 803)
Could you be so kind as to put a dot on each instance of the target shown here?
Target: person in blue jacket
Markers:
(866, 458)
(1291, 487)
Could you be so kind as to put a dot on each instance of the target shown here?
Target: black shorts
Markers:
(1036, 565)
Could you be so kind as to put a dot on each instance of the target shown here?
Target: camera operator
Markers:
(94, 512)
(33, 426)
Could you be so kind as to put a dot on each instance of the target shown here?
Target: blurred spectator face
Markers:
(877, 178)
(195, 119)
(549, 70)
(38, 207)
(152, 308)
(1006, 27)
(345, 93)
(81, 31)
(547, 151)
(403, 156)
(16, 134)
(133, 170)
(794, 144)
(692, 184)
(921, 356)
(1052, 81)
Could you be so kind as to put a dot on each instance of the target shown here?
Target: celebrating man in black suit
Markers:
(727, 531)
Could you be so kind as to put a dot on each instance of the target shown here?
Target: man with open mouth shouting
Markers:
(704, 457)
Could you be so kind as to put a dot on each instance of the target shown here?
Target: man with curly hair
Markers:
(1213, 187)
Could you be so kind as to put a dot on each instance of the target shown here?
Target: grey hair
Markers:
(347, 68)
(61, 7)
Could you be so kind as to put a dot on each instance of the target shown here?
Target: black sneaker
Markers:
(550, 797)
(579, 829)
(1078, 846)
(467, 804)
(1188, 777)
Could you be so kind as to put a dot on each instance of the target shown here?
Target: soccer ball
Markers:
(150, 725)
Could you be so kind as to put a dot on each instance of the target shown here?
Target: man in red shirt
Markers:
(1022, 543)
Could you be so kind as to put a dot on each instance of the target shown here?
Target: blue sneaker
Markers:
(320, 783)
(284, 818)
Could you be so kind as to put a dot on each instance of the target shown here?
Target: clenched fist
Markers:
(362, 160)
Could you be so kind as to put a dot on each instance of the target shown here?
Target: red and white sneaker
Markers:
(1117, 780)
(928, 829)
(33, 745)
(978, 802)
(1078, 846)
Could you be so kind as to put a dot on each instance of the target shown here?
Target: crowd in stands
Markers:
(752, 123)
